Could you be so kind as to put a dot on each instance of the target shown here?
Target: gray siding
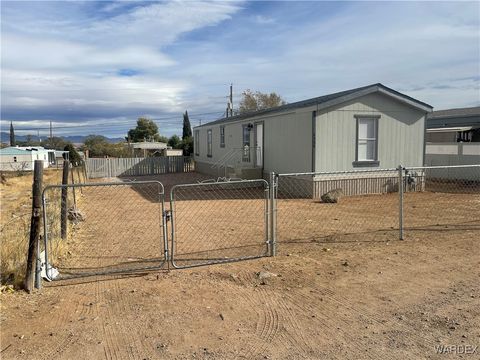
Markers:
(400, 134)
(288, 142)
(288, 136)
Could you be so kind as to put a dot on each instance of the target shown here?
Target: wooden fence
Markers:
(113, 167)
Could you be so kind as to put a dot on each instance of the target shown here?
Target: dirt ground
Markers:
(366, 295)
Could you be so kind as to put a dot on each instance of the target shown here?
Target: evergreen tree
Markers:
(74, 156)
(146, 130)
(187, 128)
(12, 135)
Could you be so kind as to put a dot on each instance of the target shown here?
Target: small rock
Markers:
(75, 215)
(265, 275)
(332, 196)
(221, 316)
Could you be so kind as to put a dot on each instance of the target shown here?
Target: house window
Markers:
(197, 142)
(246, 142)
(367, 140)
(14, 159)
(209, 143)
(222, 136)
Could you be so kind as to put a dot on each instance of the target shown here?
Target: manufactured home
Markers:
(363, 128)
(453, 138)
(23, 158)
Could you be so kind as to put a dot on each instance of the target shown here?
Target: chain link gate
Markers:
(109, 228)
(219, 222)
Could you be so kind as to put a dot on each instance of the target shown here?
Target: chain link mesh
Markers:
(367, 201)
(102, 225)
(219, 222)
(449, 198)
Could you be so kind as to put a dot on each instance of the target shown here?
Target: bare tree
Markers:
(253, 101)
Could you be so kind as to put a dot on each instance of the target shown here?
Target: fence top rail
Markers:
(442, 167)
(338, 172)
(232, 182)
(111, 183)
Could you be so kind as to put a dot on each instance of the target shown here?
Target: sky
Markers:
(94, 67)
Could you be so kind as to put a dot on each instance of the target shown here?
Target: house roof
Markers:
(452, 113)
(13, 151)
(331, 100)
(454, 118)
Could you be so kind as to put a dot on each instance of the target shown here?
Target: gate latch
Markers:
(167, 214)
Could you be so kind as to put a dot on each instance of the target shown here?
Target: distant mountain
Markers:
(77, 139)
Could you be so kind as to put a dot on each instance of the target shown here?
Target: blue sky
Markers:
(94, 67)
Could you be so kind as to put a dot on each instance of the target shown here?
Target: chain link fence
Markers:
(122, 227)
(103, 228)
(219, 222)
(449, 199)
(314, 206)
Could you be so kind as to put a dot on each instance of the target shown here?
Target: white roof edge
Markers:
(449, 129)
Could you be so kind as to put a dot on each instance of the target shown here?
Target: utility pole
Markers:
(231, 100)
(229, 110)
(51, 135)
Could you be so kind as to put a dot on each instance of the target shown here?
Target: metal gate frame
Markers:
(161, 194)
(268, 226)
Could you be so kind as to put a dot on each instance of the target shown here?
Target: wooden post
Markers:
(64, 206)
(34, 226)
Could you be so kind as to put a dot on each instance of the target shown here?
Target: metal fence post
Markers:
(64, 204)
(400, 201)
(273, 216)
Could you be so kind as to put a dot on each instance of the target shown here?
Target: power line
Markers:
(115, 124)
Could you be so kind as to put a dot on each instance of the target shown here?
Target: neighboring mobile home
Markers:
(368, 127)
(454, 125)
(22, 158)
(453, 138)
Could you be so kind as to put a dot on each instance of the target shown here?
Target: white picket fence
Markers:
(113, 167)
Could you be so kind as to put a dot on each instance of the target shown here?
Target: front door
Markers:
(259, 144)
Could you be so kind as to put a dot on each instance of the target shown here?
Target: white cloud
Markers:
(183, 55)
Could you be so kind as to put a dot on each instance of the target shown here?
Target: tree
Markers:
(98, 146)
(12, 135)
(174, 142)
(253, 101)
(146, 130)
(187, 145)
(54, 143)
(73, 155)
(187, 128)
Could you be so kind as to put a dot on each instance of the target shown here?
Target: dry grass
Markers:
(15, 203)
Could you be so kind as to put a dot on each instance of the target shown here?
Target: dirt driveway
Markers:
(357, 296)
